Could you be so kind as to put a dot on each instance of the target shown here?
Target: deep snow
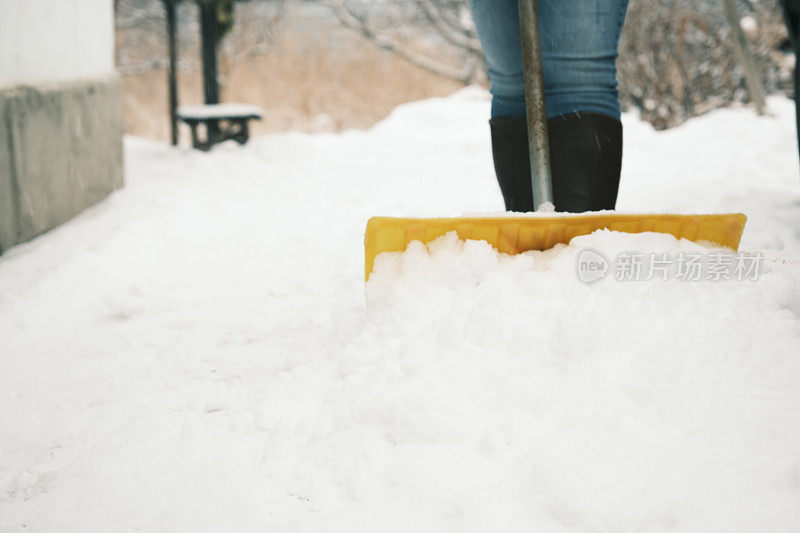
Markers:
(197, 353)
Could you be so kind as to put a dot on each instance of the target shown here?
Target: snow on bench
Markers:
(218, 111)
(235, 118)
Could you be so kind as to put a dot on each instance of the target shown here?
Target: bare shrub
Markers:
(677, 57)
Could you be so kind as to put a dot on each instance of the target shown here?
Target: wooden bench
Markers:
(222, 122)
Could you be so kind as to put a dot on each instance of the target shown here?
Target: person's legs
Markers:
(579, 49)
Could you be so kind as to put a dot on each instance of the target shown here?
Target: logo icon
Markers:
(591, 266)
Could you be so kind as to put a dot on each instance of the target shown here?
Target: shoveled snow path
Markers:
(195, 353)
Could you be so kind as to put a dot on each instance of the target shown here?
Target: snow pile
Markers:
(519, 398)
(196, 354)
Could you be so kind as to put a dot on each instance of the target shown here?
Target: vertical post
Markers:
(209, 37)
(169, 5)
(538, 139)
(795, 22)
(791, 16)
(208, 50)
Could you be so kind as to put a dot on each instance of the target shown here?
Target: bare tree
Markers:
(437, 35)
(141, 39)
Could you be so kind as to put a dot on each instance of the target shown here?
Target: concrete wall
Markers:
(60, 113)
(52, 40)
(60, 152)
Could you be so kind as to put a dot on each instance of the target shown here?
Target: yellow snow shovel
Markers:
(516, 234)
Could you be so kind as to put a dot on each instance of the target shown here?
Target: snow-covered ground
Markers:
(197, 353)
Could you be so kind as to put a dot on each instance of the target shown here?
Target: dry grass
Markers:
(299, 86)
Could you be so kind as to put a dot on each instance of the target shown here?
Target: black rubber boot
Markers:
(585, 159)
(512, 163)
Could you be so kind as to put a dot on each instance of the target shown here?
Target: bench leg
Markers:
(195, 139)
(243, 133)
(197, 144)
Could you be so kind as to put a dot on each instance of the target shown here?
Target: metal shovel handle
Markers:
(538, 139)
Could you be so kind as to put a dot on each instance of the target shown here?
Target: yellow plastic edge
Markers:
(513, 235)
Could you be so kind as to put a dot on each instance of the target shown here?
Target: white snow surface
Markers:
(228, 109)
(197, 352)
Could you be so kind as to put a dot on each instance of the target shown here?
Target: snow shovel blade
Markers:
(513, 235)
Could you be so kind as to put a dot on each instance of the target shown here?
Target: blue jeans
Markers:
(579, 52)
